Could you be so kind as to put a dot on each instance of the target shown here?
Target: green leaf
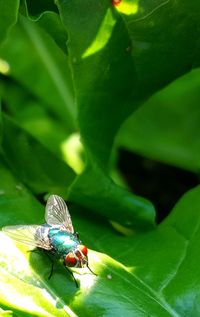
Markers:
(1, 126)
(45, 74)
(31, 114)
(21, 289)
(36, 7)
(52, 24)
(4, 313)
(118, 60)
(101, 63)
(154, 274)
(94, 190)
(160, 276)
(47, 17)
(32, 162)
(115, 59)
(13, 195)
(166, 128)
(8, 16)
(98, 70)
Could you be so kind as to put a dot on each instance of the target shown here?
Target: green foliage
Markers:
(176, 143)
(75, 70)
(9, 11)
(40, 175)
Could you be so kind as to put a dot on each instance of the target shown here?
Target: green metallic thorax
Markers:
(62, 241)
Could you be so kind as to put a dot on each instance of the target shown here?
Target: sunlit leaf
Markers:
(150, 273)
(101, 62)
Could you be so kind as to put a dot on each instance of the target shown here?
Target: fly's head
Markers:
(78, 257)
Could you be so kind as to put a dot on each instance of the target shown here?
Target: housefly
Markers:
(56, 236)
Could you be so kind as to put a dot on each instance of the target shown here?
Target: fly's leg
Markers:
(72, 275)
(76, 234)
(52, 265)
(91, 270)
(87, 264)
(51, 260)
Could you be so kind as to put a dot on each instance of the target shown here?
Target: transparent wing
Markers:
(33, 235)
(57, 214)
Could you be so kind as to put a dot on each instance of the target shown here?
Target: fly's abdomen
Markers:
(62, 241)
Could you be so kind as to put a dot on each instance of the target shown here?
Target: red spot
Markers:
(116, 2)
(70, 260)
(83, 249)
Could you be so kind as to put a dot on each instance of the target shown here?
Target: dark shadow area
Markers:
(161, 183)
(61, 283)
(37, 7)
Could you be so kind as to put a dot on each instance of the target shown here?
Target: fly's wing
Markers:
(33, 235)
(57, 214)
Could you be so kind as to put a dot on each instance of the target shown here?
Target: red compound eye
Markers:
(83, 249)
(70, 260)
(116, 2)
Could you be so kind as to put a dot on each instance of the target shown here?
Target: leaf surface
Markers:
(154, 273)
(34, 164)
(115, 59)
(166, 127)
(46, 74)
(8, 16)
(120, 58)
